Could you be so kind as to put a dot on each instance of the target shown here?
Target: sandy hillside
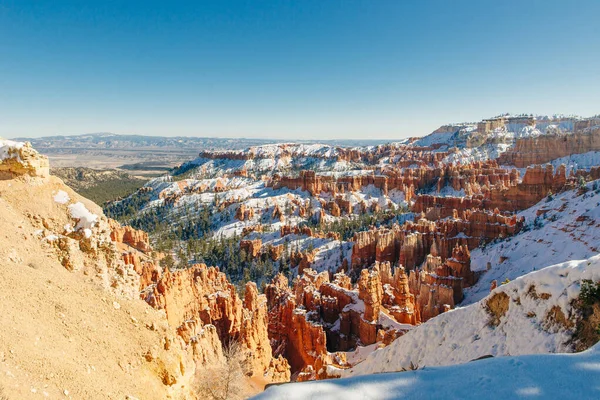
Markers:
(61, 334)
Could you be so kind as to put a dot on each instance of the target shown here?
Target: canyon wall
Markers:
(545, 148)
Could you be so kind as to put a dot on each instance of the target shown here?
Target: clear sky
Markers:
(305, 69)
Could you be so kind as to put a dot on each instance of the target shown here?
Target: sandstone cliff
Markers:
(541, 149)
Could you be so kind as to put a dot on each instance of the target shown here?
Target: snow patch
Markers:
(85, 219)
(9, 148)
(61, 197)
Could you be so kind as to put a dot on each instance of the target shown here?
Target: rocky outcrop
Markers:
(132, 237)
(370, 291)
(472, 178)
(18, 159)
(251, 247)
(397, 298)
(437, 256)
(147, 269)
(438, 285)
(244, 213)
(537, 183)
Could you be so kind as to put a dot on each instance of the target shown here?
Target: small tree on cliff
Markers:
(224, 380)
(582, 184)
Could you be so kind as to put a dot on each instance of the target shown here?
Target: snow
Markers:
(560, 238)
(436, 138)
(560, 376)
(51, 238)
(464, 334)
(480, 153)
(388, 322)
(578, 161)
(8, 148)
(61, 197)
(85, 219)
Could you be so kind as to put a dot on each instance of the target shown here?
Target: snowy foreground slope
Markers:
(559, 376)
(564, 228)
(532, 314)
(516, 318)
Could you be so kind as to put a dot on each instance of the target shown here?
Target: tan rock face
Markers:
(477, 177)
(21, 159)
(537, 183)
(501, 191)
(397, 297)
(275, 252)
(370, 291)
(437, 256)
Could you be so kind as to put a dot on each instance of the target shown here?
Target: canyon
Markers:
(314, 259)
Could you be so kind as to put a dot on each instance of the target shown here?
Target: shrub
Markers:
(587, 332)
(590, 292)
(224, 380)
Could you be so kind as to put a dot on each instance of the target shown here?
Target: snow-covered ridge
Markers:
(281, 149)
(524, 321)
(505, 128)
(578, 161)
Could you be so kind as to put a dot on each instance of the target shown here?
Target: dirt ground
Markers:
(61, 335)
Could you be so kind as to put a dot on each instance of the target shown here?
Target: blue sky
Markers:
(305, 69)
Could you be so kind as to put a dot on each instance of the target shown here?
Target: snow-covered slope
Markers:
(567, 228)
(532, 314)
(272, 158)
(578, 161)
(558, 376)
(489, 151)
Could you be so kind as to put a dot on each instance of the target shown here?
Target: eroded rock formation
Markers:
(132, 237)
(313, 321)
(204, 296)
(410, 243)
